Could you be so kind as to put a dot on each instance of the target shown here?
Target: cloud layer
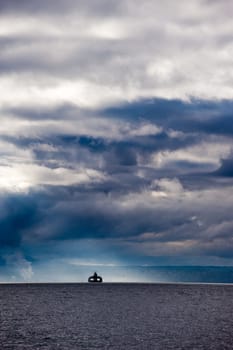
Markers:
(116, 133)
(101, 53)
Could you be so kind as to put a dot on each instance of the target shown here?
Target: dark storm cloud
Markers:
(127, 161)
(18, 213)
(200, 116)
(68, 213)
(116, 127)
(183, 126)
(74, 213)
(226, 168)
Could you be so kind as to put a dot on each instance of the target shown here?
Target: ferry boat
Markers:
(95, 279)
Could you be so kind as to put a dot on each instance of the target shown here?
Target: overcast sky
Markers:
(115, 136)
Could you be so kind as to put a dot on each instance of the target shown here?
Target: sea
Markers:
(116, 316)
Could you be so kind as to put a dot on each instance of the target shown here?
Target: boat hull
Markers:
(95, 280)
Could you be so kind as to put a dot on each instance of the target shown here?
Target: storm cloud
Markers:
(116, 133)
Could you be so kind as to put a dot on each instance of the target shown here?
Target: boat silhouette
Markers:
(95, 278)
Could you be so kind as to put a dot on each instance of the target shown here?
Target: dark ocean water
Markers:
(116, 316)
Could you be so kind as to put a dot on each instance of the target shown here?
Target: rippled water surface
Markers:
(116, 316)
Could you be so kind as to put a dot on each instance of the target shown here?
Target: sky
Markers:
(115, 136)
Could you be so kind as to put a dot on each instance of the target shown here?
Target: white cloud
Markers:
(143, 129)
(20, 177)
(206, 152)
(170, 186)
(169, 49)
